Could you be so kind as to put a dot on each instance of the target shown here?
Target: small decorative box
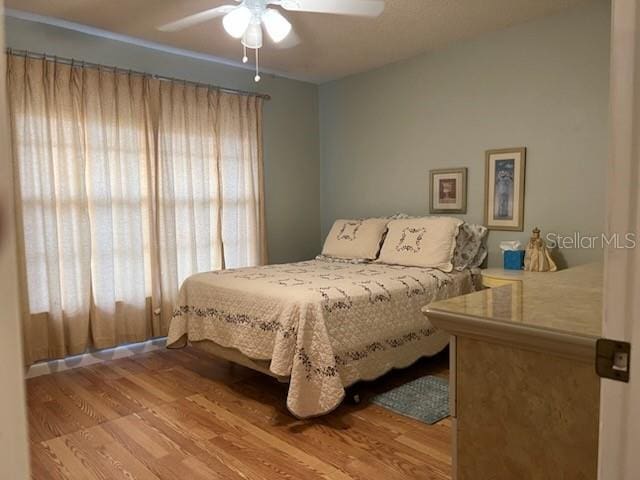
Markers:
(513, 259)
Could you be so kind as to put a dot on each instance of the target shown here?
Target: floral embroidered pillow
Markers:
(421, 242)
(355, 238)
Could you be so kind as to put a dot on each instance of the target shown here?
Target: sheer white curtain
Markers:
(116, 149)
(46, 115)
(242, 179)
(127, 185)
(189, 190)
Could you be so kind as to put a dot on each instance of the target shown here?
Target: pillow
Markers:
(327, 258)
(421, 242)
(355, 238)
(483, 251)
(470, 246)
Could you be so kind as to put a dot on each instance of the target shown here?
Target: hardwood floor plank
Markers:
(169, 414)
(126, 431)
(40, 389)
(127, 366)
(155, 361)
(93, 437)
(172, 435)
(104, 371)
(154, 385)
(114, 398)
(64, 418)
(402, 458)
(184, 380)
(42, 426)
(208, 467)
(257, 461)
(311, 437)
(312, 463)
(45, 465)
(434, 453)
(123, 465)
(228, 454)
(136, 393)
(182, 415)
(79, 466)
(74, 384)
(366, 469)
(84, 401)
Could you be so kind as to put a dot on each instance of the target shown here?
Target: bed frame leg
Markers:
(353, 396)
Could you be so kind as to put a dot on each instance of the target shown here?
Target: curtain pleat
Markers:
(189, 227)
(126, 186)
(242, 201)
(117, 189)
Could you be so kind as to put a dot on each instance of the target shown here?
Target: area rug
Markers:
(425, 399)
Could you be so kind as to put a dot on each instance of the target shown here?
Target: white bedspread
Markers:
(325, 325)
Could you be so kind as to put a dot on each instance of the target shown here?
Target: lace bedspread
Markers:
(325, 325)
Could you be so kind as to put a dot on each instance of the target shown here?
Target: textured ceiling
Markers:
(331, 46)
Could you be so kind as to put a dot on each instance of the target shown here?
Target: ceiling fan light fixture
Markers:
(290, 4)
(252, 37)
(244, 19)
(276, 25)
(237, 21)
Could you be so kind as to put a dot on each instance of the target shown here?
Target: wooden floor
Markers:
(179, 414)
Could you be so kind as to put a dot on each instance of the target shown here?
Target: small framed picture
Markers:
(504, 189)
(448, 191)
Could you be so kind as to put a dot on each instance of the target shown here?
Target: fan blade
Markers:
(365, 8)
(192, 20)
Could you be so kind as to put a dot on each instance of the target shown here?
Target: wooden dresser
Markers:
(524, 392)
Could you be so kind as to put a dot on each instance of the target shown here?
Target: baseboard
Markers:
(90, 358)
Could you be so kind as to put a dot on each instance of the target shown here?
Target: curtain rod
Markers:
(82, 63)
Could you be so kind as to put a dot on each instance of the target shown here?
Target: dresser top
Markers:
(560, 306)
(514, 274)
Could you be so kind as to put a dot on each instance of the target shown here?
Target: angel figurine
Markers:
(537, 257)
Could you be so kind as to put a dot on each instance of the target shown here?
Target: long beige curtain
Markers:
(126, 186)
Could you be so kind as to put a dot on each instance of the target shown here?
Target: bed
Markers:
(321, 325)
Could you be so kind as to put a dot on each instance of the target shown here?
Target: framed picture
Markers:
(504, 189)
(448, 191)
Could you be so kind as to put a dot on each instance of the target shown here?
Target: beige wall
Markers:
(543, 85)
(291, 149)
(14, 462)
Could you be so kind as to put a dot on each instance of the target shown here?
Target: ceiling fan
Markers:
(246, 20)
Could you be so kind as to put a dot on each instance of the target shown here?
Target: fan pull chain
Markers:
(257, 77)
(245, 59)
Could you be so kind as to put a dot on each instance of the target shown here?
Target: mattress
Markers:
(323, 324)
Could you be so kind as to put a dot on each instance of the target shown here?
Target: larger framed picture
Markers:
(448, 190)
(504, 189)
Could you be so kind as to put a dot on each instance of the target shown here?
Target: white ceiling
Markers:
(332, 46)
